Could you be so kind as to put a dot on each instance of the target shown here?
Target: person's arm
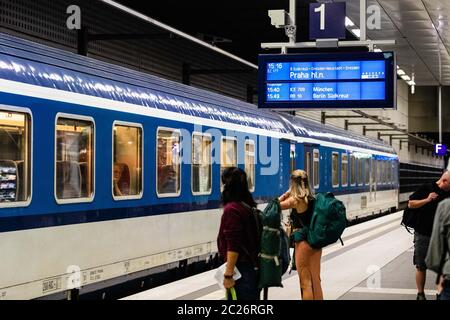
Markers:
(228, 281)
(415, 204)
(284, 196)
(436, 247)
(287, 204)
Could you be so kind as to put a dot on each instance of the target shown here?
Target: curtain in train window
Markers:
(344, 169)
(74, 158)
(335, 169)
(15, 155)
(250, 164)
(201, 164)
(228, 155)
(316, 175)
(168, 163)
(127, 161)
(352, 170)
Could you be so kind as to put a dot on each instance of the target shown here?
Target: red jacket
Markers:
(238, 233)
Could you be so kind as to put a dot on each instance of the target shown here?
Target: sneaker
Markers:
(421, 296)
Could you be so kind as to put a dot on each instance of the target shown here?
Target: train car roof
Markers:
(32, 63)
(36, 64)
(314, 130)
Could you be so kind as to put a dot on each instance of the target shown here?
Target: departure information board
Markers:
(327, 80)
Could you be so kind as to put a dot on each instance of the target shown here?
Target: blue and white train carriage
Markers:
(108, 174)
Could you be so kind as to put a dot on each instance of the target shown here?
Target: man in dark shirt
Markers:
(426, 200)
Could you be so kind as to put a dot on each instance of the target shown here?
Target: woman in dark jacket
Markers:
(238, 239)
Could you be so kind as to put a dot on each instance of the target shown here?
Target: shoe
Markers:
(421, 296)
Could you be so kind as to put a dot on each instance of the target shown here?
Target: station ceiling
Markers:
(420, 28)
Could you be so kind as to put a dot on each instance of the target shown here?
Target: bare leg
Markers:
(421, 277)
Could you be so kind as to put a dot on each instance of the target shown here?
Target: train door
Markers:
(311, 163)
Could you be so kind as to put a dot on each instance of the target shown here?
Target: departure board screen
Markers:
(333, 80)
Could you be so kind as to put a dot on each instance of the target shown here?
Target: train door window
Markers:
(367, 170)
(308, 164)
(127, 161)
(335, 169)
(374, 171)
(379, 172)
(360, 172)
(385, 175)
(228, 155)
(201, 164)
(250, 163)
(352, 170)
(344, 170)
(316, 181)
(292, 156)
(15, 155)
(74, 178)
(168, 163)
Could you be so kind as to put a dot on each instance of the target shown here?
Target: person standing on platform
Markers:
(238, 239)
(426, 200)
(438, 256)
(300, 199)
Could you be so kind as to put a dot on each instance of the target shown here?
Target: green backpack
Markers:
(328, 221)
(274, 255)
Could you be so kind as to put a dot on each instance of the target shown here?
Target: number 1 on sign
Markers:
(321, 9)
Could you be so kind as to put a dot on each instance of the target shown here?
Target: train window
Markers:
(367, 170)
(250, 164)
(360, 172)
(335, 169)
(352, 170)
(127, 161)
(168, 163)
(228, 155)
(344, 170)
(74, 178)
(201, 164)
(15, 154)
(316, 181)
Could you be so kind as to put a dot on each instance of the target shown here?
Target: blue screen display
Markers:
(299, 81)
(318, 91)
(340, 70)
(327, 80)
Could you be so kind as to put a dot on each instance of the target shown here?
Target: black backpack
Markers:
(409, 219)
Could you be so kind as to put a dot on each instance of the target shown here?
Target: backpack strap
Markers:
(255, 215)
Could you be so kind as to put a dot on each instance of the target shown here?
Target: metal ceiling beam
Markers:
(390, 125)
(177, 32)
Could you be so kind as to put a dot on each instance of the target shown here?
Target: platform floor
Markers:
(375, 263)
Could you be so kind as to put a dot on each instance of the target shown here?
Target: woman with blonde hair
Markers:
(300, 198)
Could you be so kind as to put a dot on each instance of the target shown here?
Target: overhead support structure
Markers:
(188, 72)
(84, 37)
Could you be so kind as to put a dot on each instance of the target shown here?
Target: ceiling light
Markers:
(411, 83)
(377, 50)
(348, 22)
(356, 32)
(406, 77)
(400, 72)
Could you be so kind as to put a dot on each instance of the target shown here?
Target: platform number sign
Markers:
(327, 20)
(440, 149)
